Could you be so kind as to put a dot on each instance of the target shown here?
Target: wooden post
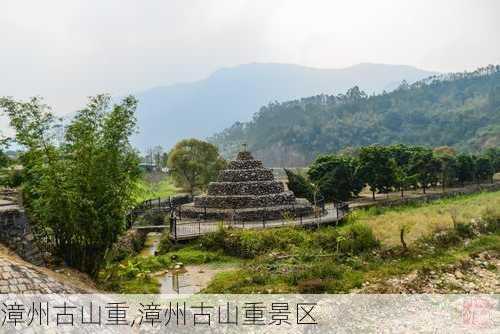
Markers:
(175, 228)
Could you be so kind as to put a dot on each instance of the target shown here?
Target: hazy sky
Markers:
(67, 50)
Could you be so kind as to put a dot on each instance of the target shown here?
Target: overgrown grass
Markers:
(424, 219)
(155, 188)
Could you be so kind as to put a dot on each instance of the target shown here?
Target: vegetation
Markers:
(194, 163)
(137, 274)
(337, 177)
(148, 189)
(387, 168)
(341, 259)
(460, 110)
(78, 192)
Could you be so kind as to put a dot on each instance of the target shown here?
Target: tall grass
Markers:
(424, 219)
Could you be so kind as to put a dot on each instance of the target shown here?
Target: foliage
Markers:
(194, 163)
(425, 167)
(337, 177)
(80, 191)
(460, 110)
(300, 186)
(377, 168)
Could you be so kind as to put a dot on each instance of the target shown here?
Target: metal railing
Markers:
(180, 228)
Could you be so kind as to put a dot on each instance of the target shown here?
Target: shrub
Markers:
(358, 238)
(446, 238)
(166, 244)
(464, 230)
(326, 238)
(215, 240)
(491, 218)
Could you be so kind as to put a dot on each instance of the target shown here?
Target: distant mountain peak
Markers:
(202, 108)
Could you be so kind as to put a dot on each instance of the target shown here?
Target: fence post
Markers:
(175, 228)
(199, 228)
(205, 212)
(180, 212)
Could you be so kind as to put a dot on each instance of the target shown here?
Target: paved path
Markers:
(21, 277)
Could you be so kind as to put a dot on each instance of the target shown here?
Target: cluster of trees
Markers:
(395, 167)
(78, 190)
(461, 110)
(194, 163)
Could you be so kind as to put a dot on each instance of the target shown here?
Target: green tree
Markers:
(447, 165)
(494, 154)
(194, 163)
(337, 177)
(483, 169)
(377, 168)
(464, 168)
(425, 167)
(79, 192)
(300, 186)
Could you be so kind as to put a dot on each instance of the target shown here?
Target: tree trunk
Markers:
(424, 187)
(402, 193)
(402, 238)
(373, 194)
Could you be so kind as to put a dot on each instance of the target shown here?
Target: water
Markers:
(178, 282)
(151, 244)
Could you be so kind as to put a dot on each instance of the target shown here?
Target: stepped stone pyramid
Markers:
(246, 191)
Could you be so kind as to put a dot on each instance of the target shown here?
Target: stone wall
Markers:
(16, 234)
(245, 188)
(239, 175)
(250, 201)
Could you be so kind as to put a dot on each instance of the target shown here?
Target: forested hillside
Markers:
(461, 110)
(199, 109)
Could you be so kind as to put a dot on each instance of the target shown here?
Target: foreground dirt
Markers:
(476, 274)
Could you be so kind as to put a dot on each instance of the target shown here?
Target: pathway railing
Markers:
(180, 228)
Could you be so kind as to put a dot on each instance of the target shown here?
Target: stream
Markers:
(190, 279)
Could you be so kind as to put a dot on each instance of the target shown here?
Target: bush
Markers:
(251, 243)
(446, 238)
(166, 244)
(215, 240)
(491, 218)
(326, 238)
(358, 238)
(464, 230)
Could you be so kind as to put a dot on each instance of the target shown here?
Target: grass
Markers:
(338, 275)
(425, 219)
(148, 188)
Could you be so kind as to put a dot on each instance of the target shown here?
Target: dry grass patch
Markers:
(426, 219)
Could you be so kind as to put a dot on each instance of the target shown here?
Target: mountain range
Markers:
(200, 109)
(461, 110)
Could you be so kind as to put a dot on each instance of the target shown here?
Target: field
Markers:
(423, 220)
(155, 185)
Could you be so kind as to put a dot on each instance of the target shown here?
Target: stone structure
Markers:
(16, 234)
(246, 191)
